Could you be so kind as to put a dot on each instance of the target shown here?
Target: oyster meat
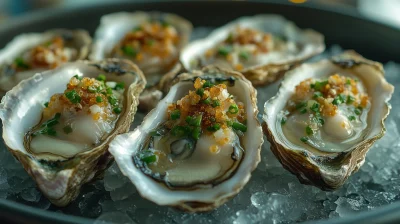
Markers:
(197, 148)
(261, 47)
(59, 123)
(30, 53)
(326, 116)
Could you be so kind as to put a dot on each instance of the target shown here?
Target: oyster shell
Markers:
(59, 174)
(337, 127)
(124, 30)
(186, 170)
(261, 47)
(31, 53)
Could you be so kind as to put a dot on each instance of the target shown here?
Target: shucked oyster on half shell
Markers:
(197, 148)
(30, 53)
(152, 40)
(59, 123)
(326, 116)
(261, 47)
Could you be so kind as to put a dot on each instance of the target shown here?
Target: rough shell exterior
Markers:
(61, 181)
(123, 147)
(268, 72)
(329, 171)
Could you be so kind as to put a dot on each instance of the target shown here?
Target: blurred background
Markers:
(386, 11)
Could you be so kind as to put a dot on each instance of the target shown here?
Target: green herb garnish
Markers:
(117, 110)
(200, 91)
(244, 55)
(175, 115)
(73, 96)
(239, 126)
(309, 130)
(216, 103)
(224, 50)
(233, 109)
(304, 139)
(214, 127)
(120, 86)
(99, 99)
(129, 50)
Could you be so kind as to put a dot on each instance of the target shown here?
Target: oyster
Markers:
(152, 40)
(261, 47)
(30, 53)
(326, 116)
(63, 143)
(197, 148)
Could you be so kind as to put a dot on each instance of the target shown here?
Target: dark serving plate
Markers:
(340, 26)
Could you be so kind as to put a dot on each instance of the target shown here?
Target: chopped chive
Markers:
(239, 126)
(92, 89)
(148, 157)
(357, 111)
(120, 86)
(301, 105)
(175, 115)
(244, 55)
(112, 100)
(350, 99)
(194, 120)
(230, 38)
(179, 131)
(156, 132)
(101, 77)
(200, 91)
(165, 23)
(99, 99)
(309, 130)
(189, 119)
(317, 95)
(352, 118)
(20, 63)
(215, 127)
(109, 91)
(319, 85)
(78, 77)
(150, 42)
(117, 110)
(207, 84)
(233, 109)
(216, 103)
(339, 99)
(197, 120)
(207, 101)
(315, 107)
(348, 81)
(283, 121)
(129, 50)
(46, 104)
(73, 96)
(229, 123)
(138, 28)
(224, 50)
(196, 133)
(67, 129)
(304, 139)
